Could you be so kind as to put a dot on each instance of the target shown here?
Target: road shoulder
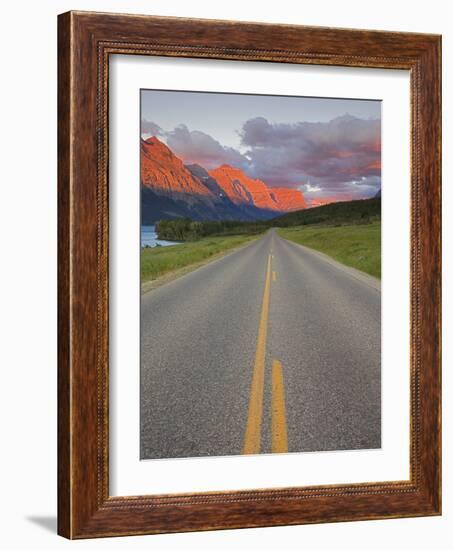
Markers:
(365, 278)
(177, 273)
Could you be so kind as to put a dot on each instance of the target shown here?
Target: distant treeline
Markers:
(185, 229)
(335, 213)
(338, 213)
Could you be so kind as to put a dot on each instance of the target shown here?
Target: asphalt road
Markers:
(272, 348)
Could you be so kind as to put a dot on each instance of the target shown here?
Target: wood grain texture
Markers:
(64, 310)
(85, 42)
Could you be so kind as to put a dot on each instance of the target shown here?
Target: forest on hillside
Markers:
(333, 214)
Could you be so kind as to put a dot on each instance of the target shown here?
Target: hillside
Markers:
(241, 189)
(335, 213)
(172, 190)
(164, 173)
(288, 200)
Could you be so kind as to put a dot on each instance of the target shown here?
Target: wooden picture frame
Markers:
(85, 42)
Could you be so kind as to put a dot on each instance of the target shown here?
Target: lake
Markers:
(149, 237)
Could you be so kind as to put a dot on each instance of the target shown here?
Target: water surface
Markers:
(149, 237)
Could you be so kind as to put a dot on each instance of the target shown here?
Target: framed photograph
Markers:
(249, 275)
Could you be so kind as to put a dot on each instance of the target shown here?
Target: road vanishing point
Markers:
(270, 349)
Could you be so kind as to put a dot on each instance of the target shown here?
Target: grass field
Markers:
(161, 260)
(357, 246)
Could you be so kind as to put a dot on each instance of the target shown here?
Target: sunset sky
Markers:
(327, 148)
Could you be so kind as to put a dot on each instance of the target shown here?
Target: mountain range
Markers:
(170, 189)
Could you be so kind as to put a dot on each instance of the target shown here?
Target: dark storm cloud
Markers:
(337, 157)
(198, 147)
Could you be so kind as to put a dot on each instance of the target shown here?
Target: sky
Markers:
(326, 147)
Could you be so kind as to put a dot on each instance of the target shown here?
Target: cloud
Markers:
(341, 156)
(308, 188)
(150, 128)
(197, 147)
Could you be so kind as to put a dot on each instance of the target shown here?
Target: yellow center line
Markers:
(274, 276)
(279, 430)
(252, 439)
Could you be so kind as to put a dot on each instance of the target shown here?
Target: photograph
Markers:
(260, 265)
(249, 283)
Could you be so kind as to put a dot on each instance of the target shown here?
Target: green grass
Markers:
(357, 246)
(158, 261)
